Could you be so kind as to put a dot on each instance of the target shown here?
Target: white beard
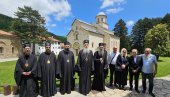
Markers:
(86, 50)
(101, 52)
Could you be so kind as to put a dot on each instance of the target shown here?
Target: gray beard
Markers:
(85, 50)
(101, 52)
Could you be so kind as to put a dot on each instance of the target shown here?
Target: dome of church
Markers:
(101, 13)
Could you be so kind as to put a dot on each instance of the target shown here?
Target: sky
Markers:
(60, 14)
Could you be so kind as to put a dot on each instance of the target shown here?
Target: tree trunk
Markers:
(33, 48)
(157, 56)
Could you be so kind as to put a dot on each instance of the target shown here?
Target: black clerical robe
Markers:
(86, 66)
(99, 80)
(66, 65)
(28, 84)
(47, 71)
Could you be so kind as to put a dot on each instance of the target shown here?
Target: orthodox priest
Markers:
(86, 66)
(66, 65)
(99, 65)
(26, 73)
(47, 71)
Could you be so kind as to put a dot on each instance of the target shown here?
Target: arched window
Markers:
(13, 50)
(76, 36)
(102, 20)
(1, 50)
(92, 44)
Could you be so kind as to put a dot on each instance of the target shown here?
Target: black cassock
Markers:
(86, 65)
(66, 64)
(47, 71)
(28, 85)
(99, 80)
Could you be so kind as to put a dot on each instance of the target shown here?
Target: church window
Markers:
(76, 28)
(1, 50)
(92, 44)
(76, 37)
(98, 20)
(102, 20)
(12, 49)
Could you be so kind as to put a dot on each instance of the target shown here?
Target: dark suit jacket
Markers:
(135, 65)
(120, 60)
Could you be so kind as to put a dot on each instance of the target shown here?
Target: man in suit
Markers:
(135, 65)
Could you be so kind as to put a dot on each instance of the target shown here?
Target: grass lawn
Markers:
(7, 71)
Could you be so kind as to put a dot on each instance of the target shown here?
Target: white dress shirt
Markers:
(111, 59)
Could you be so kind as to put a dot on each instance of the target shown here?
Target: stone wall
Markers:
(10, 47)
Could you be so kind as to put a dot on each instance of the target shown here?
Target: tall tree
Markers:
(5, 22)
(166, 19)
(139, 30)
(158, 40)
(120, 30)
(29, 25)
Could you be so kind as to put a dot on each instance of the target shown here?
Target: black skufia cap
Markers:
(47, 44)
(101, 44)
(85, 41)
(66, 43)
(26, 45)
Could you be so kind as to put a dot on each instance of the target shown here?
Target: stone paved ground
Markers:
(7, 59)
(161, 89)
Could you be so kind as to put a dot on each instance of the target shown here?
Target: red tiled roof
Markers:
(5, 33)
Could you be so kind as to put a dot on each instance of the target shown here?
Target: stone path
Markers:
(161, 89)
(7, 59)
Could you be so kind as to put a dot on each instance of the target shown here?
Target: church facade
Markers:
(9, 45)
(95, 32)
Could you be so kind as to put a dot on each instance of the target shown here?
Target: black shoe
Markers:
(143, 91)
(137, 91)
(123, 87)
(152, 94)
(115, 85)
(110, 85)
(130, 88)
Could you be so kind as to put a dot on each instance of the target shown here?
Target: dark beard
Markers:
(48, 52)
(27, 56)
(66, 51)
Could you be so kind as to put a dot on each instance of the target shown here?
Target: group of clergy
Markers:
(35, 77)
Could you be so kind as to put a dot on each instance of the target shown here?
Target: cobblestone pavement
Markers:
(161, 89)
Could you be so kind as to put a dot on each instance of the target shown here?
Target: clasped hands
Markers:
(27, 73)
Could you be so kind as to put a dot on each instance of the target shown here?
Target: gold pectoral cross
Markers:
(68, 61)
(48, 62)
(86, 59)
(26, 65)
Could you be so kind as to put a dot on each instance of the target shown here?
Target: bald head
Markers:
(134, 52)
(114, 49)
(147, 51)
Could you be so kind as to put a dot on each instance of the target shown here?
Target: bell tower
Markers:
(101, 20)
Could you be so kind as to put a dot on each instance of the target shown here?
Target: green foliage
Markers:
(61, 38)
(5, 22)
(28, 24)
(139, 30)
(120, 30)
(158, 39)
